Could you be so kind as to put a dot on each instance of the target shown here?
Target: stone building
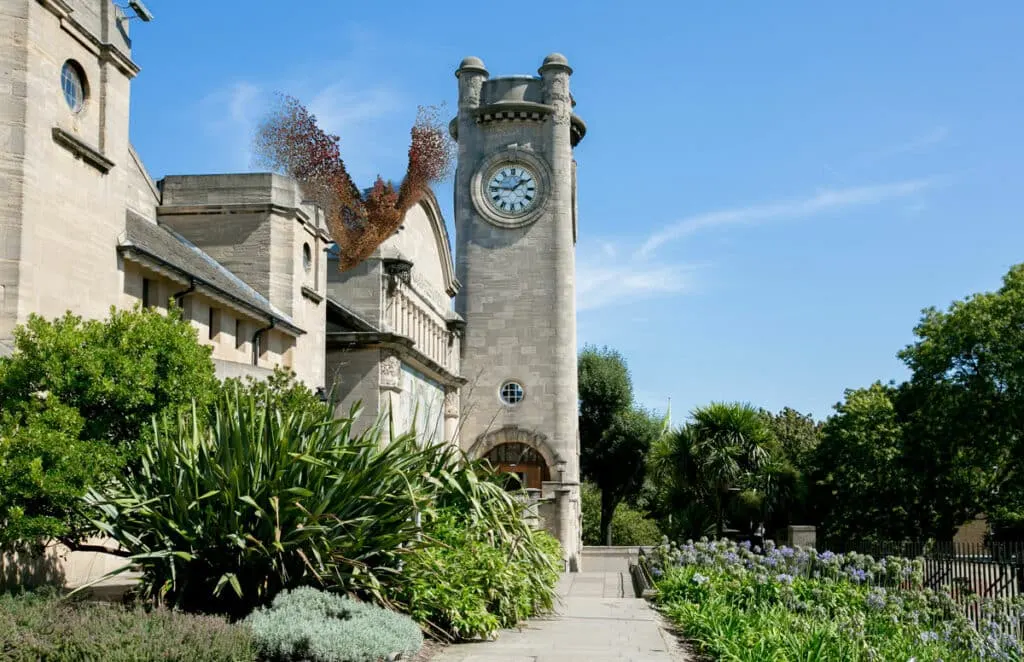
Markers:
(393, 340)
(83, 227)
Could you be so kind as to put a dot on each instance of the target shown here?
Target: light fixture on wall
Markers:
(141, 11)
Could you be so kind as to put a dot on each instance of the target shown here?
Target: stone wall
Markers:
(354, 377)
(257, 226)
(68, 171)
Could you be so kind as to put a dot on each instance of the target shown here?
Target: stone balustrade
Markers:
(409, 314)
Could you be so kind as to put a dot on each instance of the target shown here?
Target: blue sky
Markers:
(769, 193)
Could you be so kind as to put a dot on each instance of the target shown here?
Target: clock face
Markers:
(511, 189)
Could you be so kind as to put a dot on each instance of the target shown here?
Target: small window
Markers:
(257, 348)
(307, 257)
(148, 290)
(213, 321)
(511, 393)
(239, 339)
(72, 82)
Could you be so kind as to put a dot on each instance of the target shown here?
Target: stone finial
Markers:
(471, 75)
(473, 64)
(555, 61)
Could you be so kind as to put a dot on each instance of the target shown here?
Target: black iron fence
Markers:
(964, 571)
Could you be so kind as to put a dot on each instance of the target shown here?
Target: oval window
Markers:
(72, 82)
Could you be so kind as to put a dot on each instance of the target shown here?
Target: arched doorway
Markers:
(523, 461)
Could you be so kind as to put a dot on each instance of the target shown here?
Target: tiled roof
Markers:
(339, 313)
(166, 246)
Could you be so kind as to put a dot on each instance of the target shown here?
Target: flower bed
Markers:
(744, 604)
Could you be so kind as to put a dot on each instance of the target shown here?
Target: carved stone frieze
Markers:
(391, 372)
(451, 403)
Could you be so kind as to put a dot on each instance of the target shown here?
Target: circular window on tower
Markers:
(72, 82)
(307, 257)
(511, 393)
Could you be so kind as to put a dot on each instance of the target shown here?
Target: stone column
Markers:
(451, 415)
(390, 390)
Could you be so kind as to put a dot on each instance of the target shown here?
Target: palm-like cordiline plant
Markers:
(724, 448)
(222, 516)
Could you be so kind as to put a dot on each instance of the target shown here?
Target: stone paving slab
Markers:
(597, 620)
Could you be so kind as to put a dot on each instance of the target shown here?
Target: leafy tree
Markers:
(620, 461)
(605, 390)
(116, 373)
(76, 397)
(614, 438)
(798, 435)
(861, 480)
(786, 475)
(963, 407)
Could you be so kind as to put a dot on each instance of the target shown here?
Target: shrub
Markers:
(222, 516)
(117, 373)
(466, 585)
(307, 624)
(629, 525)
(281, 391)
(75, 397)
(41, 627)
(45, 468)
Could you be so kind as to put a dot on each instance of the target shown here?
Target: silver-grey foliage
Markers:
(308, 624)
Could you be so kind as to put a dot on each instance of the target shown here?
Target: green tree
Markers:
(861, 482)
(713, 466)
(630, 525)
(786, 476)
(730, 444)
(620, 463)
(605, 390)
(76, 397)
(614, 436)
(963, 407)
(117, 373)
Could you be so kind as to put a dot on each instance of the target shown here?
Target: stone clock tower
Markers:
(515, 220)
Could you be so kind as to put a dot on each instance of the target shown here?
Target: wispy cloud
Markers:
(362, 111)
(229, 116)
(610, 272)
(602, 281)
(823, 202)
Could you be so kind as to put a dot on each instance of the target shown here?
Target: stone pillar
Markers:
(451, 415)
(801, 536)
(390, 390)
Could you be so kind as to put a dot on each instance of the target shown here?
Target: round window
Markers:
(72, 82)
(307, 257)
(511, 393)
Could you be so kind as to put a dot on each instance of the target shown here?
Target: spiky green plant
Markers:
(221, 517)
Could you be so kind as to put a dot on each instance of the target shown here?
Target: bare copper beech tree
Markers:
(290, 140)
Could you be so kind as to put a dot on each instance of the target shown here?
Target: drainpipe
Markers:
(180, 296)
(259, 332)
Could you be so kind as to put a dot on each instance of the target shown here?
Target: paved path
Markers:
(595, 622)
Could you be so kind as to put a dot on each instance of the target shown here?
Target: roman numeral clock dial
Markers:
(511, 189)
